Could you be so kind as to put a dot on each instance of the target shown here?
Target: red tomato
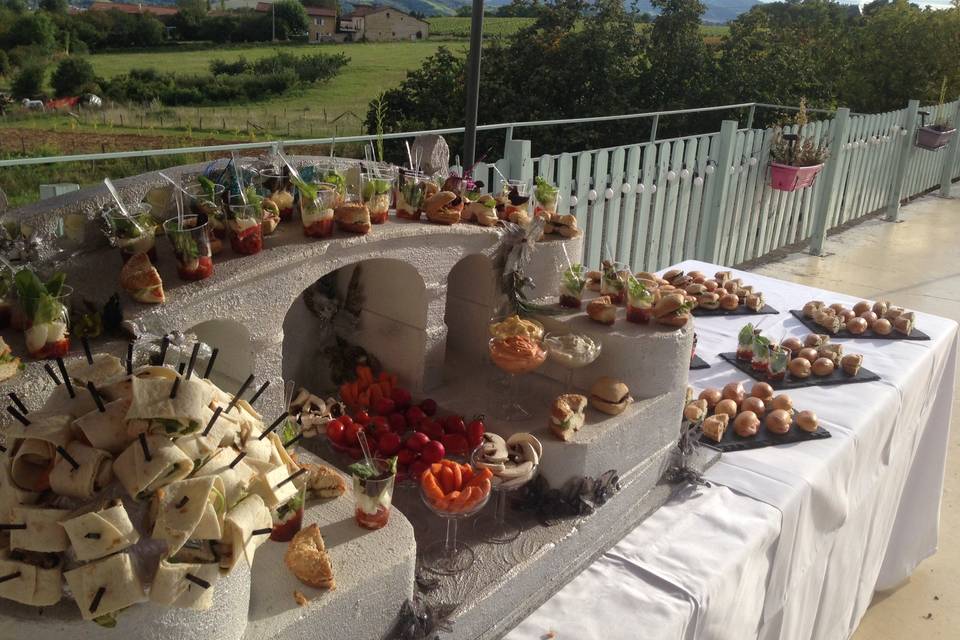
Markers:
(401, 397)
(406, 456)
(455, 444)
(416, 441)
(432, 452)
(398, 423)
(350, 436)
(355, 452)
(429, 406)
(385, 406)
(346, 419)
(335, 431)
(475, 431)
(417, 469)
(388, 443)
(454, 424)
(415, 415)
(362, 418)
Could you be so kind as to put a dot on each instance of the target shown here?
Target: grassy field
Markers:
(455, 28)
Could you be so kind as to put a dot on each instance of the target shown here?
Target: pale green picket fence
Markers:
(653, 204)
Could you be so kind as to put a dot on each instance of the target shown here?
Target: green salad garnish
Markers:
(545, 191)
(575, 278)
(413, 192)
(375, 187)
(365, 470)
(39, 300)
(209, 186)
(636, 290)
(337, 179)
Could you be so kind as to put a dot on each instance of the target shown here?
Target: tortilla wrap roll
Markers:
(11, 496)
(141, 477)
(43, 532)
(105, 369)
(35, 586)
(34, 450)
(187, 413)
(249, 515)
(270, 486)
(115, 575)
(107, 430)
(235, 480)
(187, 509)
(94, 472)
(199, 447)
(60, 403)
(172, 588)
(100, 533)
(261, 454)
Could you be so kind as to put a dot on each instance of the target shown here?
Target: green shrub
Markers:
(72, 76)
(4, 63)
(28, 82)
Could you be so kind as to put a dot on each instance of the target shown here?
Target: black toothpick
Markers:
(213, 358)
(183, 501)
(240, 392)
(19, 416)
(259, 392)
(86, 349)
(213, 419)
(193, 359)
(66, 378)
(293, 477)
(13, 527)
(294, 440)
(143, 445)
(52, 375)
(3, 449)
(200, 582)
(261, 532)
(16, 400)
(95, 603)
(236, 461)
(176, 382)
(129, 358)
(276, 423)
(92, 388)
(163, 348)
(69, 458)
(10, 576)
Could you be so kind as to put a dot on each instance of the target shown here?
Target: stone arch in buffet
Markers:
(472, 299)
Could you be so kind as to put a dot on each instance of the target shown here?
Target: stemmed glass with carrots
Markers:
(453, 491)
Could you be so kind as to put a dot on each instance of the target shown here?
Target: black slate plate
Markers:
(742, 310)
(916, 334)
(698, 363)
(732, 442)
(835, 378)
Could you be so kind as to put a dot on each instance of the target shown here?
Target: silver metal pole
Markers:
(473, 85)
(273, 22)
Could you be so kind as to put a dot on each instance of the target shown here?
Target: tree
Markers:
(32, 29)
(465, 11)
(16, 6)
(323, 4)
(73, 76)
(680, 64)
(4, 64)
(28, 82)
(55, 6)
(291, 18)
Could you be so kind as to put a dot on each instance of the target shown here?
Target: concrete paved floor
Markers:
(915, 263)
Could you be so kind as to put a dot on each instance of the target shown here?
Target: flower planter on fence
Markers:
(786, 177)
(932, 138)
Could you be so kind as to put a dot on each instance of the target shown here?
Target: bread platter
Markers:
(880, 320)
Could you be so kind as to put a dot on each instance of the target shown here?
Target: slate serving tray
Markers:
(835, 378)
(698, 363)
(916, 334)
(732, 442)
(741, 310)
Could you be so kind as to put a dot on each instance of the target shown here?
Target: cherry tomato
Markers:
(398, 423)
(350, 436)
(454, 424)
(475, 431)
(406, 456)
(362, 418)
(335, 431)
(385, 406)
(432, 452)
(429, 406)
(401, 397)
(455, 444)
(388, 443)
(416, 441)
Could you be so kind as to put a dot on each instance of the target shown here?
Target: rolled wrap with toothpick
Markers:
(115, 575)
(36, 586)
(94, 472)
(34, 450)
(172, 588)
(100, 533)
(248, 516)
(141, 477)
(42, 532)
(189, 509)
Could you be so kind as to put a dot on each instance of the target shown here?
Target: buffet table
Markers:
(792, 541)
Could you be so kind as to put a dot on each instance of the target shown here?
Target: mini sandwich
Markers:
(722, 276)
(672, 310)
(9, 364)
(566, 226)
(602, 310)
(443, 208)
(754, 301)
(353, 217)
(715, 426)
(708, 300)
(610, 396)
(904, 323)
(483, 211)
(566, 415)
(140, 279)
(674, 276)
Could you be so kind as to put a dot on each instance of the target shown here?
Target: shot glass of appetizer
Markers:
(331, 171)
(276, 187)
(572, 283)
(373, 483)
(375, 189)
(545, 197)
(191, 246)
(135, 233)
(207, 198)
(245, 224)
(44, 308)
(316, 208)
(411, 189)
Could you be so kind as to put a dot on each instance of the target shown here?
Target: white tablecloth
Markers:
(790, 542)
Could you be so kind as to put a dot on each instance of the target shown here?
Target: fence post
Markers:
(517, 154)
(950, 158)
(753, 111)
(709, 243)
(828, 181)
(653, 128)
(903, 161)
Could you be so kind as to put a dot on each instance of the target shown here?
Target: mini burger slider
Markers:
(444, 207)
(353, 217)
(610, 396)
(483, 211)
(672, 310)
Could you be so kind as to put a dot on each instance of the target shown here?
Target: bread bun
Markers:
(566, 415)
(783, 401)
(698, 276)
(711, 285)
(353, 217)
(602, 310)
(807, 420)
(870, 317)
(778, 421)
(880, 307)
(734, 391)
(708, 300)
(729, 301)
(847, 315)
(882, 327)
(610, 396)
(727, 407)
(811, 308)
(753, 404)
(861, 307)
(792, 344)
(815, 340)
(746, 424)
(808, 353)
(695, 411)
(823, 367)
(857, 326)
(762, 390)
(800, 368)
(851, 363)
(837, 307)
(712, 396)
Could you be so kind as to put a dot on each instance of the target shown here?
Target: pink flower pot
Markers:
(785, 177)
(932, 138)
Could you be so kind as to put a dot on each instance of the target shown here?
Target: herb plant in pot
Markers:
(795, 161)
(939, 134)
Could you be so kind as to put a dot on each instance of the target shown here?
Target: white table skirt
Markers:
(790, 542)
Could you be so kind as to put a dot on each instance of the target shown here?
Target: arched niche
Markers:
(379, 304)
(235, 355)
(472, 299)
